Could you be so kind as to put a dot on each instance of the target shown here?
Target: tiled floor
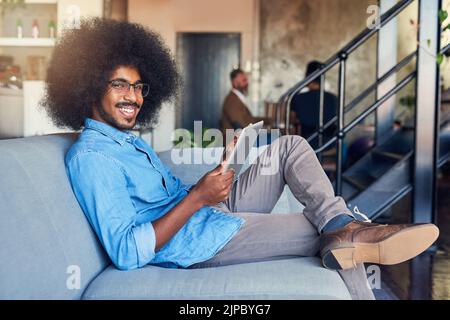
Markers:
(440, 289)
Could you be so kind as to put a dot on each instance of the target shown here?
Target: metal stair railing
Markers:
(350, 106)
(340, 58)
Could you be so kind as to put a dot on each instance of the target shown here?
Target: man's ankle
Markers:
(337, 222)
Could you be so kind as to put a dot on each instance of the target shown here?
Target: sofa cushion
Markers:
(296, 278)
(45, 238)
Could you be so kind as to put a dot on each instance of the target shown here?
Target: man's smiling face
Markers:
(120, 104)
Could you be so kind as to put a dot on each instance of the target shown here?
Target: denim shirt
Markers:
(122, 186)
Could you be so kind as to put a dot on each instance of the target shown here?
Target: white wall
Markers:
(169, 17)
(11, 113)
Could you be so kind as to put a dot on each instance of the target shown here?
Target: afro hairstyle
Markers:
(84, 59)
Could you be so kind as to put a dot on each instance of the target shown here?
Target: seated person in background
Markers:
(235, 112)
(305, 107)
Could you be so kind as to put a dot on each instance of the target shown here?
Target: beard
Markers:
(147, 117)
(113, 122)
(244, 90)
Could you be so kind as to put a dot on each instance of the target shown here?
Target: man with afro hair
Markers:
(107, 77)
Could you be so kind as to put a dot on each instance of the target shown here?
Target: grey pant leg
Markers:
(267, 237)
(279, 236)
(288, 160)
(356, 282)
(291, 160)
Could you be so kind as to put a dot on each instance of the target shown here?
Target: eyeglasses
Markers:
(123, 87)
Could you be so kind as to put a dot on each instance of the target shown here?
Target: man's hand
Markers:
(214, 186)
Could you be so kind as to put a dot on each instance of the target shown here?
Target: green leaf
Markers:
(446, 27)
(443, 14)
(440, 58)
(408, 101)
(428, 42)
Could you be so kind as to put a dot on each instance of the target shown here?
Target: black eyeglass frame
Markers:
(145, 89)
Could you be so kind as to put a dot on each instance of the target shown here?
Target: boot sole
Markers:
(399, 247)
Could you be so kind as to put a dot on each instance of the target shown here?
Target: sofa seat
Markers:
(47, 242)
(297, 278)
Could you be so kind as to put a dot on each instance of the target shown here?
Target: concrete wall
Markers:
(407, 43)
(170, 17)
(294, 32)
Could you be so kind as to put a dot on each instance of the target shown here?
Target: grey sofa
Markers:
(48, 250)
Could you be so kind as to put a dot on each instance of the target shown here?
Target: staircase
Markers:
(385, 174)
(403, 161)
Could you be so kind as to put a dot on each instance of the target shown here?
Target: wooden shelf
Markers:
(11, 92)
(27, 42)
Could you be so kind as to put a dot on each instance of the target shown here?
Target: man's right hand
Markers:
(214, 186)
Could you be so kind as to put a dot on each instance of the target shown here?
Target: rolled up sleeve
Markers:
(100, 186)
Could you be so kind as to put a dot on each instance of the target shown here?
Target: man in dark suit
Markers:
(235, 112)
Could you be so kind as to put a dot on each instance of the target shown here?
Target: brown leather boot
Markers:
(361, 242)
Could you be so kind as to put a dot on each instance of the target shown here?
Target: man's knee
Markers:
(291, 141)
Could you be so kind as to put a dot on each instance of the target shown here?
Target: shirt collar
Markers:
(117, 135)
(240, 96)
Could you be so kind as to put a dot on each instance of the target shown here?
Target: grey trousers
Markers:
(288, 160)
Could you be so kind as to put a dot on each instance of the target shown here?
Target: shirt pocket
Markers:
(148, 186)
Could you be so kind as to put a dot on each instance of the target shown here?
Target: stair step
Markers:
(384, 191)
(387, 154)
(348, 191)
(400, 143)
(360, 182)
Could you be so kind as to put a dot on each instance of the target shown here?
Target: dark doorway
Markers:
(206, 60)
(115, 9)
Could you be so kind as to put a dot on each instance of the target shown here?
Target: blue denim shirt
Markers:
(122, 187)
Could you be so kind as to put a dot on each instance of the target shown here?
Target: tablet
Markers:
(241, 150)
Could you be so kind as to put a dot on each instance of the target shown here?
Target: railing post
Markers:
(277, 115)
(340, 134)
(426, 137)
(426, 113)
(321, 101)
(386, 59)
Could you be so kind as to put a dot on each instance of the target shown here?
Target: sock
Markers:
(337, 222)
